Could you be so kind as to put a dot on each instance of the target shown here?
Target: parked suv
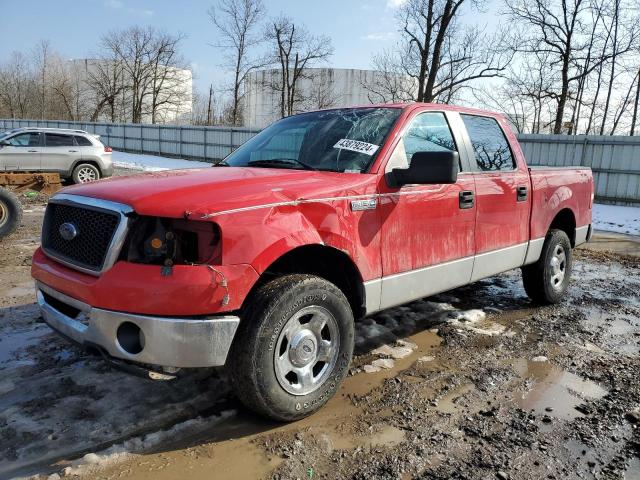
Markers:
(75, 154)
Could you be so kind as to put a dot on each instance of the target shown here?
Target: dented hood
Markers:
(206, 191)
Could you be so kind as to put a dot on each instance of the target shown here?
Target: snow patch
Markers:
(93, 462)
(152, 163)
(616, 218)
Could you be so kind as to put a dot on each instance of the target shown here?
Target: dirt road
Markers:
(477, 383)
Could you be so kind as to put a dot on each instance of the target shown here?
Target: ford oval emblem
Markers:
(68, 231)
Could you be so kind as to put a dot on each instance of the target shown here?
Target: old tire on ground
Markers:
(547, 280)
(85, 172)
(293, 347)
(10, 212)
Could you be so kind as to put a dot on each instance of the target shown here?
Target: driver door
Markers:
(427, 230)
(23, 152)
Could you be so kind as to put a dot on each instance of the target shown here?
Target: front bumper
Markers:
(166, 342)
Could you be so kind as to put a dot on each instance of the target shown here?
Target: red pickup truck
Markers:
(264, 261)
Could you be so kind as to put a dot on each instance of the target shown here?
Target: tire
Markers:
(276, 334)
(85, 172)
(547, 280)
(10, 212)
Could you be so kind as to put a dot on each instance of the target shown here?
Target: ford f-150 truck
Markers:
(264, 261)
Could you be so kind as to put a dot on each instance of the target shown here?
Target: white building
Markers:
(320, 88)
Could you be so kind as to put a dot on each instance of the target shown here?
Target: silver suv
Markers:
(75, 154)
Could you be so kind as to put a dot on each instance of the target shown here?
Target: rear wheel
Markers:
(547, 280)
(10, 212)
(85, 172)
(293, 347)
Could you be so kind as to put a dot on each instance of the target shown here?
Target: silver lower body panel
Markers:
(165, 342)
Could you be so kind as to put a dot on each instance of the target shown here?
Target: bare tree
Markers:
(443, 56)
(294, 50)
(41, 61)
(566, 32)
(167, 76)
(149, 68)
(389, 84)
(634, 116)
(18, 91)
(237, 21)
(105, 79)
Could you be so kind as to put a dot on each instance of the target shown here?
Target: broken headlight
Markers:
(169, 241)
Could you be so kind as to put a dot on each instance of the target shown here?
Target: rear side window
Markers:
(83, 141)
(57, 140)
(25, 140)
(489, 143)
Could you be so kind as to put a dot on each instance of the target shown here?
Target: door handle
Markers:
(466, 199)
(73, 151)
(522, 194)
(32, 151)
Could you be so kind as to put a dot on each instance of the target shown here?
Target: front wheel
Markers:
(293, 347)
(547, 280)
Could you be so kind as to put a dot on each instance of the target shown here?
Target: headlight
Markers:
(168, 241)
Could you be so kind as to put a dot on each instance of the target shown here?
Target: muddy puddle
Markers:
(551, 391)
(13, 345)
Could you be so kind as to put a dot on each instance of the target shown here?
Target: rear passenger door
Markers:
(22, 153)
(84, 147)
(60, 153)
(502, 198)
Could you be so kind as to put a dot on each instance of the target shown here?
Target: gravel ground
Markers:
(476, 383)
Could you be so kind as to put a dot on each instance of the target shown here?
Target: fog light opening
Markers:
(130, 338)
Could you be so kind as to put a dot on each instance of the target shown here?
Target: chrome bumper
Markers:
(166, 342)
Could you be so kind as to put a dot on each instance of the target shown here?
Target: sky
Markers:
(358, 29)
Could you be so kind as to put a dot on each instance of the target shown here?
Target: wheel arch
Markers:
(330, 263)
(565, 220)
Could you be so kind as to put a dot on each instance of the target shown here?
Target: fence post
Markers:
(584, 148)
(180, 143)
(204, 141)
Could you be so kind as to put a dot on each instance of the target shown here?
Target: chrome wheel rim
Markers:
(558, 266)
(307, 350)
(87, 175)
(4, 214)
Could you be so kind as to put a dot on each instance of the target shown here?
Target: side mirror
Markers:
(429, 168)
(4, 144)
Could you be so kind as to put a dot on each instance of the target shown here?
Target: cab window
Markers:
(428, 132)
(25, 140)
(490, 146)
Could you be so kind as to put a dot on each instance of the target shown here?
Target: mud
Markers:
(477, 383)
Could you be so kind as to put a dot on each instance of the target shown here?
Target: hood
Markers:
(205, 191)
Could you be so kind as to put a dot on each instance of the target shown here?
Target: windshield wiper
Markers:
(281, 161)
(221, 163)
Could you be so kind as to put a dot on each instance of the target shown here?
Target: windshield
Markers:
(5, 134)
(344, 140)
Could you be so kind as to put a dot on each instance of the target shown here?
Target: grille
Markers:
(95, 230)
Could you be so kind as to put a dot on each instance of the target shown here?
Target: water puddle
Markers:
(387, 436)
(450, 403)
(617, 330)
(553, 391)
(633, 469)
(11, 344)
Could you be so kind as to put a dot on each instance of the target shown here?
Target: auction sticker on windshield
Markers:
(357, 146)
